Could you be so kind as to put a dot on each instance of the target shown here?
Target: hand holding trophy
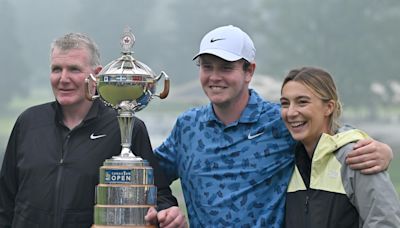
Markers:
(126, 188)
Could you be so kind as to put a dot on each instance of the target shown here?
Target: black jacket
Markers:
(49, 172)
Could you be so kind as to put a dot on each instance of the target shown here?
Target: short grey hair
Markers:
(75, 41)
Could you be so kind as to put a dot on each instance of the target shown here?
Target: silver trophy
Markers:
(126, 188)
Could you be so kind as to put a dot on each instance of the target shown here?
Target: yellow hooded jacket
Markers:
(325, 192)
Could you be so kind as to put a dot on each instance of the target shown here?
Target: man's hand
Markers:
(370, 156)
(169, 218)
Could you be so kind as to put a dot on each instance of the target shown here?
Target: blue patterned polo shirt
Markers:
(235, 175)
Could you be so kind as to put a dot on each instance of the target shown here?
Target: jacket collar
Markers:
(92, 114)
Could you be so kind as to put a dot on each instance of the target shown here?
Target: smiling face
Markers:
(306, 116)
(225, 83)
(69, 69)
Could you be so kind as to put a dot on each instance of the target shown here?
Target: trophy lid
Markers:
(127, 64)
(126, 83)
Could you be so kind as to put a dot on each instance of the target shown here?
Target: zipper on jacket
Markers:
(306, 205)
(58, 189)
(306, 209)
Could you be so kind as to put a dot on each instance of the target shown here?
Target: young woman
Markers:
(324, 191)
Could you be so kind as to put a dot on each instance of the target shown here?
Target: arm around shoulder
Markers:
(370, 156)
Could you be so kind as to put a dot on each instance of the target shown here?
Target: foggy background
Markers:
(357, 41)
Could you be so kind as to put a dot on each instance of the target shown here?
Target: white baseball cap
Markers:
(229, 43)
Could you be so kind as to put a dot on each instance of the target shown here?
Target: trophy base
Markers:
(125, 193)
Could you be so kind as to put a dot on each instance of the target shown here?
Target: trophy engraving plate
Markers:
(126, 187)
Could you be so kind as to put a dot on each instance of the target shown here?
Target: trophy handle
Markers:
(165, 92)
(89, 94)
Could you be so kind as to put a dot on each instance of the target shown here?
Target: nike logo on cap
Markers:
(250, 136)
(213, 39)
(93, 136)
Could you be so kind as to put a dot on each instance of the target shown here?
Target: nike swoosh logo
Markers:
(213, 40)
(93, 136)
(250, 136)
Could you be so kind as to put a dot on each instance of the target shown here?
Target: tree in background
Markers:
(112, 18)
(357, 41)
(167, 32)
(15, 73)
(193, 19)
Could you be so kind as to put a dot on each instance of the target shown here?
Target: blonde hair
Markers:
(321, 83)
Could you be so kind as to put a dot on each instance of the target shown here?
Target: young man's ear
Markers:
(250, 71)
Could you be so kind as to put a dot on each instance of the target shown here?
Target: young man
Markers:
(51, 164)
(234, 156)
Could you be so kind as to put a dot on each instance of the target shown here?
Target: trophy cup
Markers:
(126, 187)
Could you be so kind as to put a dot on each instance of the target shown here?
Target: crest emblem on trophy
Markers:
(126, 188)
